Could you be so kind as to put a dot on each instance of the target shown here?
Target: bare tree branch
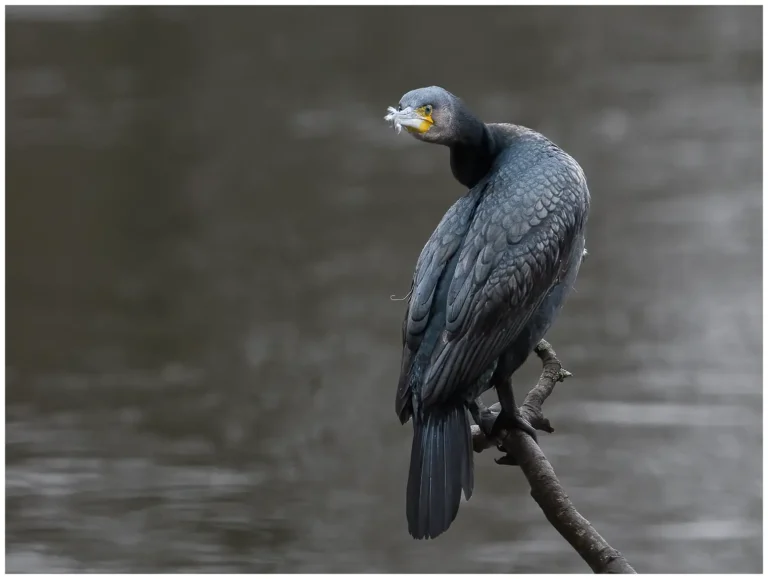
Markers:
(546, 489)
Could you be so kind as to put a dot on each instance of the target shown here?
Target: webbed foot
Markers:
(483, 416)
(505, 421)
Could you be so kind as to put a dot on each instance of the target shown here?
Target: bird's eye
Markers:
(428, 109)
(399, 107)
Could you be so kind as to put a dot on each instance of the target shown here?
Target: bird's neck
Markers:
(472, 156)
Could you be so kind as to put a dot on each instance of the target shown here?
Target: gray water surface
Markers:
(207, 216)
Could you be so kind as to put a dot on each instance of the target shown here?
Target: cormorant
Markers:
(487, 287)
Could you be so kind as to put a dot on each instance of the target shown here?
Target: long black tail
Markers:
(441, 467)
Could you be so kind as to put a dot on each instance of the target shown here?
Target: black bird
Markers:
(487, 287)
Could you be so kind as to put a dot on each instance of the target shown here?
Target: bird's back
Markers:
(530, 169)
(511, 232)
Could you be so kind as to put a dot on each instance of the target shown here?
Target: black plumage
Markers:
(487, 287)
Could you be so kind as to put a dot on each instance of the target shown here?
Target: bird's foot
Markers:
(508, 422)
(485, 418)
(505, 423)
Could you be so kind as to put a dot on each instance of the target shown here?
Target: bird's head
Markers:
(430, 114)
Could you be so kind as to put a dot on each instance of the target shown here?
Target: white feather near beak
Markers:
(404, 118)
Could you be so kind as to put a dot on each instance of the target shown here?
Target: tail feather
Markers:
(441, 467)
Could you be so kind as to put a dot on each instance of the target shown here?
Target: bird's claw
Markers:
(506, 460)
(506, 422)
(486, 420)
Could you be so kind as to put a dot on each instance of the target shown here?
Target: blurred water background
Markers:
(207, 215)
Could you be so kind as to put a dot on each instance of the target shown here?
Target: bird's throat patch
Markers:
(421, 129)
(426, 121)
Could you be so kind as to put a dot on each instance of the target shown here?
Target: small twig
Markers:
(552, 373)
(546, 489)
